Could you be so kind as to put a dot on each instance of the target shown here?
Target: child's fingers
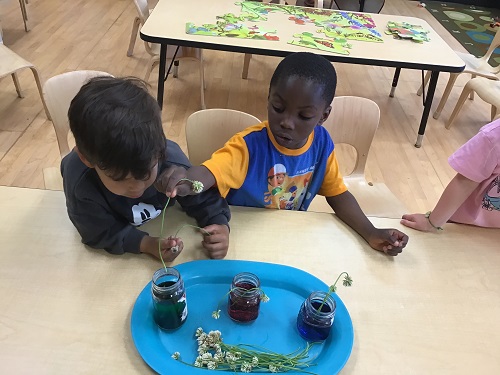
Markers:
(409, 217)
(409, 223)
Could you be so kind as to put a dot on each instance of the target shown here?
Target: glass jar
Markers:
(315, 319)
(169, 298)
(244, 297)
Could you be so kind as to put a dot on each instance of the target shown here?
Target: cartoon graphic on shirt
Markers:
(143, 212)
(491, 199)
(286, 192)
(276, 177)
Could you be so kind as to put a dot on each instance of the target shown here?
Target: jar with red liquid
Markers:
(244, 298)
(316, 315)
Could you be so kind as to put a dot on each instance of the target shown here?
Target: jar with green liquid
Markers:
(169, 299)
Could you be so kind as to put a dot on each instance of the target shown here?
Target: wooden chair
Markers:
(11, 63)
(486, 89)
(58, 92)
(473, 66)
(181, 53)
(353, 121)
(209, 129)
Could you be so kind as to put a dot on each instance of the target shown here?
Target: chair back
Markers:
(142, 10)
(495, 43)
(209, 129)
(58, 92)
(354, 121)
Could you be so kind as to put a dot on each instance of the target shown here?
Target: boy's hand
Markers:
(390, 241)
(168, 182)
(170, 247)
(418, 222)
(217, 243)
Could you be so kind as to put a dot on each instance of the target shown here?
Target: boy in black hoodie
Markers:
(121, 150)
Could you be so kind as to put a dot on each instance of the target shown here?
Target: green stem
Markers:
(161, 233)
(176, 233)
(330, 291)
(192, 226)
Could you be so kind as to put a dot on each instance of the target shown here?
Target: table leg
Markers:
(161, 75)
(427, 108)
(395, 81)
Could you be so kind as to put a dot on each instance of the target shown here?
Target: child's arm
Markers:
(100, 229)
(452, 198)
(390, 241)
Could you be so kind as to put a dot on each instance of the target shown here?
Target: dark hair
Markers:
(117, 126)
(311, 67)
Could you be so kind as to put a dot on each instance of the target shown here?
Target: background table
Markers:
(65, 308)
(167, 25)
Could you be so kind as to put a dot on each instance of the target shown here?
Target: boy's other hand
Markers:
(170, 247)
(168, 182)
(418, 222)
(390, 241)
(217, 243)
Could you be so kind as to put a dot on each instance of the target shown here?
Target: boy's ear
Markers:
(325, 115)
(83, 158)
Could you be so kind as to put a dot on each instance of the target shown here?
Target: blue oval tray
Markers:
(207, 282)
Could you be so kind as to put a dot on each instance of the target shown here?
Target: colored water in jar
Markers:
(315, 319)
(244, 298)
(169, 299)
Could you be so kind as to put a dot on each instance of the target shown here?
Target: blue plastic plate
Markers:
(206, 282)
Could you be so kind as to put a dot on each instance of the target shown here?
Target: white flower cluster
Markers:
(208, 343)
(197, 186)
(213, 354)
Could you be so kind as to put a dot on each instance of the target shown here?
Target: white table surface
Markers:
(65, 308)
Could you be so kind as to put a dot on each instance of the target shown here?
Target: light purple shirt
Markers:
(479, 161)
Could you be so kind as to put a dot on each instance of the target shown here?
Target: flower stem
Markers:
(161, 233)
(331, 289)
(176, 233)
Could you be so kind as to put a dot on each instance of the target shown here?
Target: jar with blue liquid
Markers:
(316, 316)
(169, 299)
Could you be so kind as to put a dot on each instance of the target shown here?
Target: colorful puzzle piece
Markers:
(404, 30)
(231, 30)
(335, 45)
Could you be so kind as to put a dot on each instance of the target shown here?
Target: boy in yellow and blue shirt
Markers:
(284, 162)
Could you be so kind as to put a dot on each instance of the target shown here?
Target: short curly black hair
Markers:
(117, 126)
(310, 67)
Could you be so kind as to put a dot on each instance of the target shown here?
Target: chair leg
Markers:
(153, 62)
(133, 36)
(202, 83)
(246, 65)
(471, 96)
(494, 112)
(40, 91)
(175, 71)
(446, 94)
(15, 78)
(426, 80)
(24, 13)
(461, 100)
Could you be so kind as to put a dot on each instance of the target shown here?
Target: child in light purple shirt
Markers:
(473, 195)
